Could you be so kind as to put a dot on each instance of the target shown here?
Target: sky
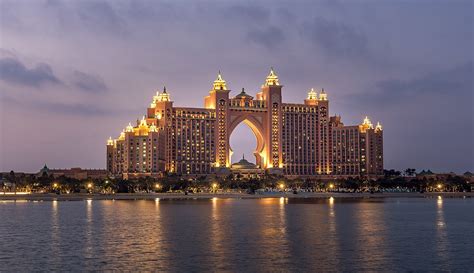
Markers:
(73, 73)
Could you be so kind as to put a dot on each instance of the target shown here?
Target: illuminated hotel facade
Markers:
(295, 140)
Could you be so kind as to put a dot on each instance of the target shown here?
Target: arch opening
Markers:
(258, 138)
(243, 142)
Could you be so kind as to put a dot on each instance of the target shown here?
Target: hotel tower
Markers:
(293, 139)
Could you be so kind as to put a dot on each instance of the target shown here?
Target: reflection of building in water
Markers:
(245, 169)
(293, 139)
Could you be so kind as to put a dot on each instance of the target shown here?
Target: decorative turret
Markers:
(129, 128)
(219, 83)
(143, 122)
(272, 78)
(366, 124)
(164, 96)
(160, 97)
(153, 128)
(378, 127)
(110, 141)
(312, 95)
(122, 135)
(155, 99)
(323, 95)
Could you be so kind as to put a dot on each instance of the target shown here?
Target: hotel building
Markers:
(293, 139)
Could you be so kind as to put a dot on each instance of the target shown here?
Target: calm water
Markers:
(250, 235)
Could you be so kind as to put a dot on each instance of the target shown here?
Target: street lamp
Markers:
(55, 185)
(281, 186)
(439, 186)
(331, 186)
(214, 186)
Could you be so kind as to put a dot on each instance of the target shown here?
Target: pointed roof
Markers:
(110, 141)
(243, 95)
(367, 122)
(323, 95)
(129, 127)
(378, 127)
(244, 164)
(163, 96)
(272, 78)
(219, 83)
(312, 95)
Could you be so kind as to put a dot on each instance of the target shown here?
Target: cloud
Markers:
(13, 71)
(247, 14)
(70, 109)
(457, 81)
(89, 83)
(99, 14)
(335, 38)
(269, 37)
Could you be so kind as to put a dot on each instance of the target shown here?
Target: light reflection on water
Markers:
(441, 236)
(269, 234)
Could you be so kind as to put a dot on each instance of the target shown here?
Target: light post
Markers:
(331, 186)
(439, 186)
(55, 186)
(89, 187)
(157, 187)
(214, 187)
(281, 186)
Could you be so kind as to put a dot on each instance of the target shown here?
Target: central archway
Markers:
(256, 126)
(242, 142)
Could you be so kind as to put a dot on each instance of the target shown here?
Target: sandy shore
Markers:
(152, 196)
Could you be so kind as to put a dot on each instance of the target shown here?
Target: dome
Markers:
(243, 95)
(244, 164)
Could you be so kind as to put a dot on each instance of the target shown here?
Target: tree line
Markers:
(391, 181)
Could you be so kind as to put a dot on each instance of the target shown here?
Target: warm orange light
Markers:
(281, 186)
(214, 185)
(439, 186)
(157, 186)
(55, 185)
(331, 186)
(89, 185)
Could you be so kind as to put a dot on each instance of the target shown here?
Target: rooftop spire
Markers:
(219, 83)
(312, 95)
(110, 141)
(163, 96)
(129, 127)
(323, 95)
(378, 127)
(272, 78)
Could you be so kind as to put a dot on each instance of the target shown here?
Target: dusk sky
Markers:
(73, 73)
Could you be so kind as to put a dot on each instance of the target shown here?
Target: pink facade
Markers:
(292, 139)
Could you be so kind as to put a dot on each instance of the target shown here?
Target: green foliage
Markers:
(172, 183)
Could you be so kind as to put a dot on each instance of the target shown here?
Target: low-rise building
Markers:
(76, 173)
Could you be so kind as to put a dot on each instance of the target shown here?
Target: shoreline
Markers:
(182, 196)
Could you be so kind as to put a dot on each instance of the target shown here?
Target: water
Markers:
(239, 235)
